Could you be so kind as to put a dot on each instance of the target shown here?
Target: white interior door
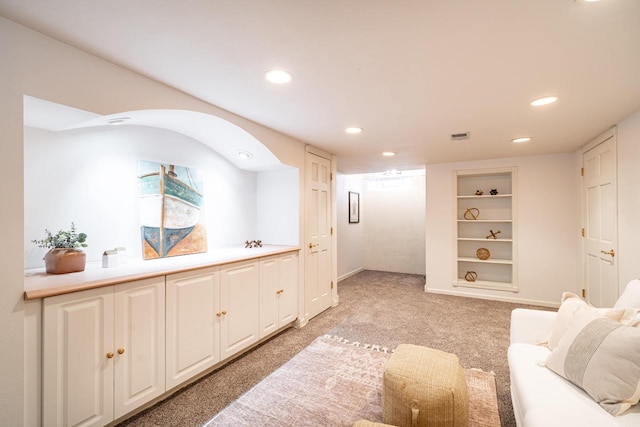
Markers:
(318, 233)
(600, 220)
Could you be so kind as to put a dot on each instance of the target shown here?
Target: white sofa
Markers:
(541, 398)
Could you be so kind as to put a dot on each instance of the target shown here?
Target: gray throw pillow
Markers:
(602, 357)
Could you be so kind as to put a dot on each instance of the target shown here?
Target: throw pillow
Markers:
(602, 357)
(631, 295)
(570, 304)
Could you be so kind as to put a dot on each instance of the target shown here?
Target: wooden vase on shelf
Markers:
(64, 260)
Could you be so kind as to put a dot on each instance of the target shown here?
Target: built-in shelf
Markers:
(486, 222)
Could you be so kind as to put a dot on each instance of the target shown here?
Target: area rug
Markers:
(334, 382)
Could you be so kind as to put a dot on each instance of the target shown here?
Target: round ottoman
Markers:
(424, 387)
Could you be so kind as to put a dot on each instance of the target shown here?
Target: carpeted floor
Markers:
(375, 307)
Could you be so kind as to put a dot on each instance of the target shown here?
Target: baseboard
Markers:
(354, 272)
(492, 297)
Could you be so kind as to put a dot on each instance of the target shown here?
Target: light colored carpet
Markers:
(333, 382)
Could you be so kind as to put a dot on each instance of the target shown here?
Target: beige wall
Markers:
(628, 199)
(45, 68)
(548, 227)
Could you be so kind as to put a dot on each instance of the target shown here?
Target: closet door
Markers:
(600, 223)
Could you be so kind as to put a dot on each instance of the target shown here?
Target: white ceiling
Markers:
(409, 72)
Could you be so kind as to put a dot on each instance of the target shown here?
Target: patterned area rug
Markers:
(333, 382)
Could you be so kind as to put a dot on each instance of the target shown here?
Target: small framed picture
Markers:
(354, 207)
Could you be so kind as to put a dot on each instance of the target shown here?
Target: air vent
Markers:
(460, 136)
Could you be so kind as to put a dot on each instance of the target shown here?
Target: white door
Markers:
(318, 231)
(78, 359)
(139, 344)
(193, 332)
(600, 220)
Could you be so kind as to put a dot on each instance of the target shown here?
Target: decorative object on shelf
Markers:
(354, 207)
(483, 253)
(471, 276)
(64, 255)
(253, 244)
(113, 257)
(493, 191)
(479, 192)
(170, 210)
(493, 235)
(472, 214)
(109, 258)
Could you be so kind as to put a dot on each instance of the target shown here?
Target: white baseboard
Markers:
(492, 297)
(354, 272)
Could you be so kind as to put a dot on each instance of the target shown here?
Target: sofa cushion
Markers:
(544, 399)
(602, 357)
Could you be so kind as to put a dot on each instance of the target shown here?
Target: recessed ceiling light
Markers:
(353, 130)
(388, 153)
(544, 101)
(278, 76)
(521, 139)
(244, 154)
(117, 120)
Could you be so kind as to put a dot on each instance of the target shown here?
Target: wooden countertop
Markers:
(39, 284)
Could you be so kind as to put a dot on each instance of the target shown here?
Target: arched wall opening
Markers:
(78, 167)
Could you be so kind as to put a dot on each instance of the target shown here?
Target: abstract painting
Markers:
(171, 217)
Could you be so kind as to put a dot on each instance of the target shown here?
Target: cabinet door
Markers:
(239, 304)
(77, 369)
(139, 344)
(288, 295)
(269, 292)
(193, 335)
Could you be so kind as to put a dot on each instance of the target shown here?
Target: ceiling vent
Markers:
(460, 136)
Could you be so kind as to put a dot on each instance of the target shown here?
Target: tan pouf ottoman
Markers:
(424, 387)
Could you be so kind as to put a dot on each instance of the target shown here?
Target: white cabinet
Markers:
(278, 292)
(239, 306)
(103, 352)
(193, 329)
(212, 314)
(485, 231)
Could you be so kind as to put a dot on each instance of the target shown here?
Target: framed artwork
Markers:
(354, 207)
(171, 200)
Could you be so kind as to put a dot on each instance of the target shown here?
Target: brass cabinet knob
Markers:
(120, 350)
(218, 314)
(224, 312)
(110, 355)
(279, 291)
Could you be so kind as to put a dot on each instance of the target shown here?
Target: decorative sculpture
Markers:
(479, 192)
(493, 234)
(471, 276)
(253, 244)
(483, 253)
(493, 191)
(471, 214)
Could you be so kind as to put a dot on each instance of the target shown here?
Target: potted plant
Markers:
(65, 254)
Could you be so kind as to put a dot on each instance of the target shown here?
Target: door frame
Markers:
(612, 132)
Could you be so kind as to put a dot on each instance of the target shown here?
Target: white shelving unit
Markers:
(485, 214)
